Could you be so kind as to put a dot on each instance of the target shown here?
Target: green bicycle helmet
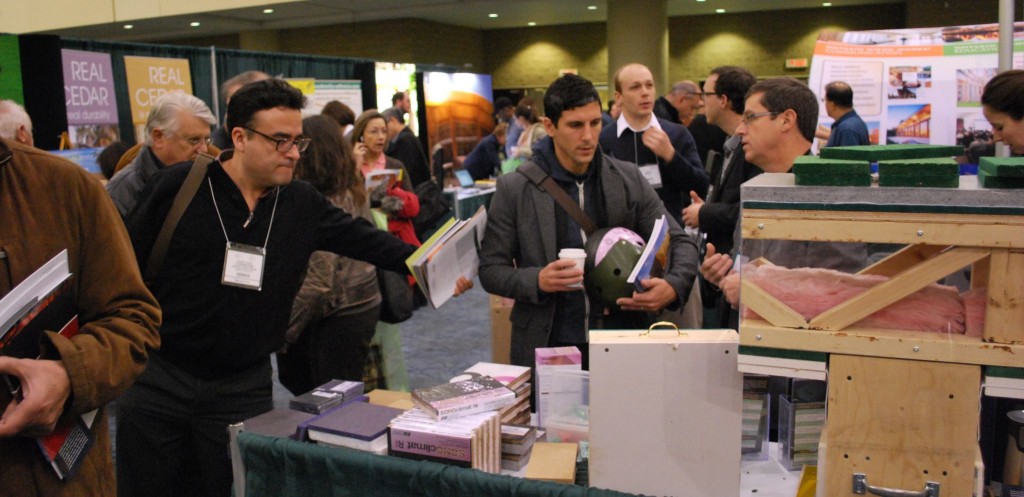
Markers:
(611, 255)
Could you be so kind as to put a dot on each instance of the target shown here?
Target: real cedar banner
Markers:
(919, 85)
(150, 77)
(89, 98)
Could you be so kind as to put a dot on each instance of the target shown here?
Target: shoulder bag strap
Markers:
(181, 200)
(538, 177)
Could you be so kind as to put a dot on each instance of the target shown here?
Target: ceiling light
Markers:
(194, 24)
(129, 26)
(268, 11)
(592, 7)
(531, 23)
(492, 16)
(720, 11)
(826, 4)
(701, 0)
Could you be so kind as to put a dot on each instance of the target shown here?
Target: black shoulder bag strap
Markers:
(538, 177)
(181, 200)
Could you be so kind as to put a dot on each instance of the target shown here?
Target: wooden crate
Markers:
(903, 406)
(984, 230)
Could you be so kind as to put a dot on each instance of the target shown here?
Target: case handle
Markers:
(662, 323)
(860, 485)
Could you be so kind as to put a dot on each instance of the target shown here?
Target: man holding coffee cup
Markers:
(520, 255)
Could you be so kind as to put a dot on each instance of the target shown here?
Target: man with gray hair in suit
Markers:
(177, 130)
(15, 124)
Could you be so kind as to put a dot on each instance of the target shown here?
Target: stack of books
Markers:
(472, 441)
(516, 378)
(462, 398)
(326, 396)
(355, 425)
(516, 445)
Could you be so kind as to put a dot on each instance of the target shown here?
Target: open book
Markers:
(43, 302)
(652, 259)
(385, 177)
(452, 251)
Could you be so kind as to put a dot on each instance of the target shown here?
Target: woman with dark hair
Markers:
(335, 312)
(341, 113)
(1003, 105)
(396, 199)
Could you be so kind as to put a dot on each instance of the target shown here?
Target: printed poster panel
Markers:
(150, 77)
(919, 85)
(89, 98)
(459, 106)
(320, 91)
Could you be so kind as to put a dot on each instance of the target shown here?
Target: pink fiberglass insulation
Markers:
(811, 291)
(974, 305)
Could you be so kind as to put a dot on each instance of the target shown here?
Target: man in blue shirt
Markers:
(848, 128)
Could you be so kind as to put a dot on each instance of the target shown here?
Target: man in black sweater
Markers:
(664, 151)
(232, 269)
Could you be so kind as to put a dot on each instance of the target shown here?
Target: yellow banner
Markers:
(306, 86)
(150, 77)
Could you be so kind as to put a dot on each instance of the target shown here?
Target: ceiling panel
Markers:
(467, 13)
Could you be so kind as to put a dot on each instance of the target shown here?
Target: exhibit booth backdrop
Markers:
(208, 67)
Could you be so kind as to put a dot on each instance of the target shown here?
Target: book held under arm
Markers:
(44, 302)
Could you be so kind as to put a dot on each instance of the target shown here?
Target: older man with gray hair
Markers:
(177, 129)
(14, 123)
(681, 103)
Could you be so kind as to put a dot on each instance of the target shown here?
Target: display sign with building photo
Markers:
(89, 98)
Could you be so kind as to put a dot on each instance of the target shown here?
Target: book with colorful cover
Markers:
(378, 177)
(462, 398)
(652, 259)
(509, 375)
(44, 302)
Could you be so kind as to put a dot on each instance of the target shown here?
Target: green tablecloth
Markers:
(279, 466)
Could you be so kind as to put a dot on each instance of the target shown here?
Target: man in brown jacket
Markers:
(48, 204)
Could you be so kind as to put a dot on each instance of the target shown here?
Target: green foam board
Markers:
(1002, 166)
(833, 179)
(919, 167)
(874, 153)
(986, 180)
(919, 180)
(809, 164)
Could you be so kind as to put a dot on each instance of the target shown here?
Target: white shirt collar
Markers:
(621, 124)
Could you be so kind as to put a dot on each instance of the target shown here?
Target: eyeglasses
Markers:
(749, 117)
(195, 141)
(285, 144)
(704, 94)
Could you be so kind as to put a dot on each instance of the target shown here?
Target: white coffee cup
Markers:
(577, 256)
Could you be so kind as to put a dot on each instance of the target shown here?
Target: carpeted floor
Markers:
(438, 343)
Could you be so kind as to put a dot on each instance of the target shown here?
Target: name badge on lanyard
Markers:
(243, 266)
(652, 173)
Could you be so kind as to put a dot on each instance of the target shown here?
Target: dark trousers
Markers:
(332, 348)
(172, 437)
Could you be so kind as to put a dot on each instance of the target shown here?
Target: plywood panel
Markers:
(901, 423)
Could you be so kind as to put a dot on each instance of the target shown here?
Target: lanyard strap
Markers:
(273, 212)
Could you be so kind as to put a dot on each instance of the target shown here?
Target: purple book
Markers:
(357, 420)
